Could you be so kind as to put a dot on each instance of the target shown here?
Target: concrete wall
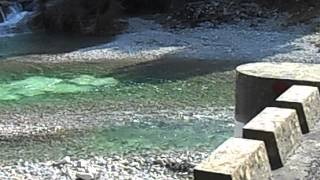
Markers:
(293, 91)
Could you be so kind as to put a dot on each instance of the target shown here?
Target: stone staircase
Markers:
(279, 105)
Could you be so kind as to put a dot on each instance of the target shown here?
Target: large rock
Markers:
(2, 15)
(306, 101)
(5, 3)
(4, 9)
(78, 16)
(95, 16)
(279, 129)
(236, 159)
(151, 6)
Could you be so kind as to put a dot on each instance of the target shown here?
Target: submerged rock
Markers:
(91, 80)
(39, 85)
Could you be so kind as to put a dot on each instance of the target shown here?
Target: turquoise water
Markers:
(39, 85)
(169, 84)
(132, 137)
(168, 81)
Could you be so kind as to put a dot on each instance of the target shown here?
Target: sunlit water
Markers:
(132, 137)
(167, 83)
(38, 85)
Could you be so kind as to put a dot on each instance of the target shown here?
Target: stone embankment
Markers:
(279, 104)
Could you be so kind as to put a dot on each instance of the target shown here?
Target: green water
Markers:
(168, 84)
(38, 85)
(167, 81)
(132, 137)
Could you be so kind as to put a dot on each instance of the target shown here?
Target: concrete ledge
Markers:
(236, 159)
(306, 101)
(280, 130)
(260, 84)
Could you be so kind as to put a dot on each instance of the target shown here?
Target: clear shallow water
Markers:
(132, 137)
(39, 85)
(167, 83)
(173, 81)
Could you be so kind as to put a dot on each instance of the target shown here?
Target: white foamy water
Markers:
(13, 21)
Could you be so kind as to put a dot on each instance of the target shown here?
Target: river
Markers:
(106, 107)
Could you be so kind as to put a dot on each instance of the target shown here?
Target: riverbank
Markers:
(147, 40)
(169, 80)
(151, 165)
(151, 160)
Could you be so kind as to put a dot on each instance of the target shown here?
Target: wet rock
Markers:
(5, 3)
(82, 163)
(65, 160)
(84, 176)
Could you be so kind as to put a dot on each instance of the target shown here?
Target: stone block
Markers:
(236, 159)
(258, 85)
(280, 130)
(306, 101)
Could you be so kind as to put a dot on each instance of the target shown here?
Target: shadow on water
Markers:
(152, 72)
(172, 69)
(166, 80)
(196, 83)
(43, 43)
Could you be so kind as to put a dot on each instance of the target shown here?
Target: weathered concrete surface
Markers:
(304, 164)
(306, 101)
(280, 130)
(236, 159)
(259, 84)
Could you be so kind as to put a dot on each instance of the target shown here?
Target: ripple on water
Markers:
(146, 135)
(39, 85)
(171, 85)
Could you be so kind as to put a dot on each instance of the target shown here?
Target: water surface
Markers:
(169, 84)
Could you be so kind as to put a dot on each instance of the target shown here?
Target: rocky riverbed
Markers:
(155, 163)
(172, 103)
(162, 117)
(149, 165)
